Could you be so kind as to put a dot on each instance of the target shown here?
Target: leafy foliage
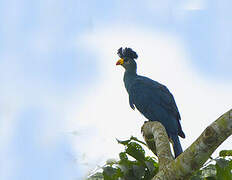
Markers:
(219, 168)
(133, 164)
(96, 176)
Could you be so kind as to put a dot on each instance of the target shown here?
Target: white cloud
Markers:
(194, 5)
(162, 57)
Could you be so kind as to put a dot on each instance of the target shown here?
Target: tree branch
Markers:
(156, 138)
(196, 155)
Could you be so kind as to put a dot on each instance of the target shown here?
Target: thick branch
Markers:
(199, 152)
(157, 140)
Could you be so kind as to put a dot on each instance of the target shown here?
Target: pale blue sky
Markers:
(57, 57)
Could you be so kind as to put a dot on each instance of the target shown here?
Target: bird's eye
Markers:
(125, 59)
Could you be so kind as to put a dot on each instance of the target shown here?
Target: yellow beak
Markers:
(120, 62)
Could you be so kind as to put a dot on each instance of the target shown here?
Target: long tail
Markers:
(176, 145)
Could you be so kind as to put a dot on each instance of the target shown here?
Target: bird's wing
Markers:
(148, 95)
(143, 90)
(168, 101)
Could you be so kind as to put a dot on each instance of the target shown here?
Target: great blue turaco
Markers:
(151, 98)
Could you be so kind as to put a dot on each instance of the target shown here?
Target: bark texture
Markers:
(193, 157)
(157, 140)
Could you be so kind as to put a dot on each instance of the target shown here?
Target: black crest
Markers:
(127, 52)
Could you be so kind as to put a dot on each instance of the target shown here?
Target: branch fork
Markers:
(194, 156)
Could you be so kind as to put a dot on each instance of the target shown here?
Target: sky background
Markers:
(62, 99)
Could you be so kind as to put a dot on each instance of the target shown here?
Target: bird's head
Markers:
(127, 59)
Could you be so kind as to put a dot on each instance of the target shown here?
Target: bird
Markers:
(151, 98)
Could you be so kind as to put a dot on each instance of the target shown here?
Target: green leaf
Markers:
(123, 156)
(151, 168)
(111, 162)
(209, 171)
(210, 178)
(225, 153)
(196, 177)
(136, 139)
(96, 176)
(129, 169)
(138, 171)
(224, 168)
(123, 142)
(136, 151)
(151, 165)
(111, 173)
(222, 163)
(108, 172)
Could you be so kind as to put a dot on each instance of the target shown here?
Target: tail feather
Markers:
(180, 132)
(176, 145)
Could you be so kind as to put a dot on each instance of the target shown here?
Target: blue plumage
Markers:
(151, 98)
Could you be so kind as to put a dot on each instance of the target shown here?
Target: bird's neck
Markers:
(128, 78)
